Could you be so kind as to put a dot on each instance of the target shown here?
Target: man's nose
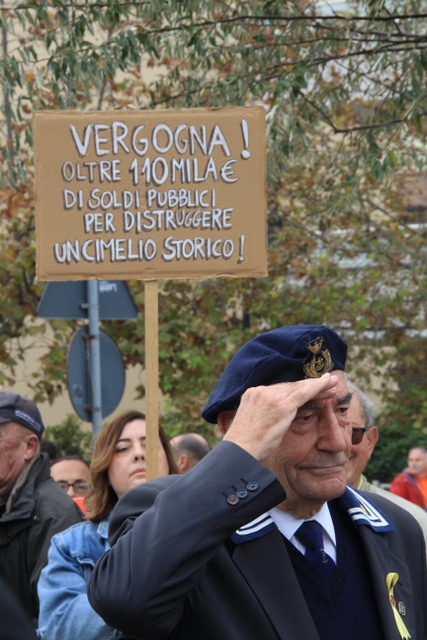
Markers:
(334, 434)
(71, 491)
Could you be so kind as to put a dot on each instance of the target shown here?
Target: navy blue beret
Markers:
(281, 355)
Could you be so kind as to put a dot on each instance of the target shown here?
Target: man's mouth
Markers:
(337, 467)
(326, 470)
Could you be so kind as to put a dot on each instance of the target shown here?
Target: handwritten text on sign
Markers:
(149, 195)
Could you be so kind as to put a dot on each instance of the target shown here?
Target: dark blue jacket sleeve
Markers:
(164, 533)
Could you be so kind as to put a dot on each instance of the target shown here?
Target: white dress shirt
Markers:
(288, 525)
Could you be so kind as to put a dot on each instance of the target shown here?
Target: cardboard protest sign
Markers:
(149, 195)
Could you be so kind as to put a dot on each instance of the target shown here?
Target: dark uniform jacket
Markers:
(205, 562)
(40, 509)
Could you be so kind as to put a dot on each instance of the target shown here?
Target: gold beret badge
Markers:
(321, 361)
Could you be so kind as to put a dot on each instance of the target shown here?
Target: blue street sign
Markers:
(69, 300)
(78, 374)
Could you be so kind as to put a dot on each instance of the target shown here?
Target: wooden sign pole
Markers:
(152, 378)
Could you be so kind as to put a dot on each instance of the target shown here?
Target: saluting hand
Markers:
(265, 413)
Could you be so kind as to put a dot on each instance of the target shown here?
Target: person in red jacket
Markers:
(412, 482)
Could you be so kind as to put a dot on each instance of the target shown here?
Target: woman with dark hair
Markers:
(118, 464)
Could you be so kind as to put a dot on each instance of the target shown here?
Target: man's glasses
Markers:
(357, 434)
(80, 487)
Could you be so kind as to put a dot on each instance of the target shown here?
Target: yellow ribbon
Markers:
(390, 581)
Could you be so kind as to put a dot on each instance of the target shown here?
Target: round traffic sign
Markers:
(78, 374)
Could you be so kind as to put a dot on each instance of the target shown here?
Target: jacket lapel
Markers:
(373, 526)
(266, 567)
(381, 565)
(261, 557)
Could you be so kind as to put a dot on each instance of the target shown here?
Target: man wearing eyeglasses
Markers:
(32, 505)
(364, 438)
(263, 539)
(72, 473)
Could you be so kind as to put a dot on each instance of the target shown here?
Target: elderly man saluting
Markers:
(263, 539)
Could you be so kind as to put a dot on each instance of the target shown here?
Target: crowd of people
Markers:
(55, 511)
(118, 464)
(274, 532)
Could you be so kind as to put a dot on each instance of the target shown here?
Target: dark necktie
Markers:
(310, 535)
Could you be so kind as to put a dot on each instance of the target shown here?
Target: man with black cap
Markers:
(263, 540)
(33, 507)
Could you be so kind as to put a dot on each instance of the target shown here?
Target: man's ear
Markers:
(183, 463)
(32, 445)
(225, 418)
(372, 435)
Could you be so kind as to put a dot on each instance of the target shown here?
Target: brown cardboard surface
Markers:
(165, 194)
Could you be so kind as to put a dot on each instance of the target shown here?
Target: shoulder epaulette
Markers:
(254, 529)
(365, 512)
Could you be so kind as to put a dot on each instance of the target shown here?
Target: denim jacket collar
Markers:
(103, 528)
